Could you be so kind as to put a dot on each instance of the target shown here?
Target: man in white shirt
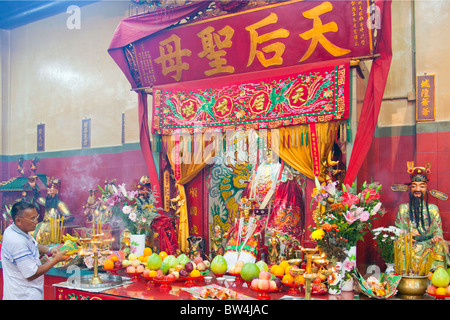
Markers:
(22, 270)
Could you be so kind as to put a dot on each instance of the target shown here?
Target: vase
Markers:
(390, 268)
(335, 279)
(347, 266)
(137, 244)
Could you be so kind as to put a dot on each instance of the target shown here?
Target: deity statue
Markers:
(54, 208)
(217, 242)
(95, 211)
(243, 238)
(273, 248)
(196, 247)
(422, 219)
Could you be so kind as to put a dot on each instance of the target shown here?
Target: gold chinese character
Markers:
(188, 110)
(277, 48)
(316, 33)
(425, 83)
(171, 57)
(425, 102)
(193, 192)
(211, 41)
(259, 102)
(222, 106)
(298, 95)
(425, 93)
(193, 211)
(425, 111)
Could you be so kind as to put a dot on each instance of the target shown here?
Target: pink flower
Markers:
(351, 216)
(349, 199)
(132, 216)
(365, 215)
(369, 195)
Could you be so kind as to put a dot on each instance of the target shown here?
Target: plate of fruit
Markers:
(164, 281)
(264, 284)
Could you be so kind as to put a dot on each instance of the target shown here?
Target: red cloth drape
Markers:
(130, 30)
(374, 94)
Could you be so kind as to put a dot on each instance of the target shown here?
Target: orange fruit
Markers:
(283, 264)
(108, 264)
(195, 273)
(441, 291)
(272, 268)
(287, 269)
(299, 279)
(163, 254)
(114, 258)
(143, 258)
(152, 273)
(288, 279)
(147, 251)
(278, 271)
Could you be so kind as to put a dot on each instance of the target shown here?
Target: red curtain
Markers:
(374, 94)
(132, 29)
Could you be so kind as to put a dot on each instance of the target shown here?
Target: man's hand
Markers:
(60, 256)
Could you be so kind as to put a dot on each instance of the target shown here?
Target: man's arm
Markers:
(60, 256)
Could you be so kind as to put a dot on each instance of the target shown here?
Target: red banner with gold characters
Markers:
(260, 100)
(265, 38)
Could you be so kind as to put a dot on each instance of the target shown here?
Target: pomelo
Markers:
(164, 267)
(219, 265)
(262, 265)
(182, 259)
(249, 270)
(171, 261)
(440, 278)
(154, 261)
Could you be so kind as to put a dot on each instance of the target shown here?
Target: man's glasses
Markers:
(34, 219)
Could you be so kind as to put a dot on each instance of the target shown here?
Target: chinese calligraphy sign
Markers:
(261, 100)
(425, 100)
(275, 36)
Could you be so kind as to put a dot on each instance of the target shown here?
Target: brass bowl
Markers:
(412, 287)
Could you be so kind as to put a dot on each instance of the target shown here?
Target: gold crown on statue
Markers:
(418, 174)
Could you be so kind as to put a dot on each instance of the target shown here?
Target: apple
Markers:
(278, 282)
(176, 274)
(273, 285)
(131, 269)
(448, 290)
(126, 263)
(146, 272)
(239, 264)
(201, 266)
(135, 263)
(197, 260)
(254, 283)
(263, 284)
(264, 275)
(232, 270)
(189, 266)
(207, 263)
(132, 257)
(117, 265)
(431, 289)
(178, 267)
(170, 277)
(237, 270)
(184, 273)
(140, 268)
(159, 274)
(317, 280)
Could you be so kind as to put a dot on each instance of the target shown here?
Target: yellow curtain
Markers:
(295, 147)
(191, 164)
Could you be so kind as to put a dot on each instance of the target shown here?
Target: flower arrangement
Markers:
(385, 239)
(135, 211)
(343, 216)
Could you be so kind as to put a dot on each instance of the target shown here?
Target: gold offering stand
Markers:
(96, 246)
(310, 274)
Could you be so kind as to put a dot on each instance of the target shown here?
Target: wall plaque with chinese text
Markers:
(260, 100)
(40, 137)
(166, 189)
(265, 38)
(425, 98)
(86, 133)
